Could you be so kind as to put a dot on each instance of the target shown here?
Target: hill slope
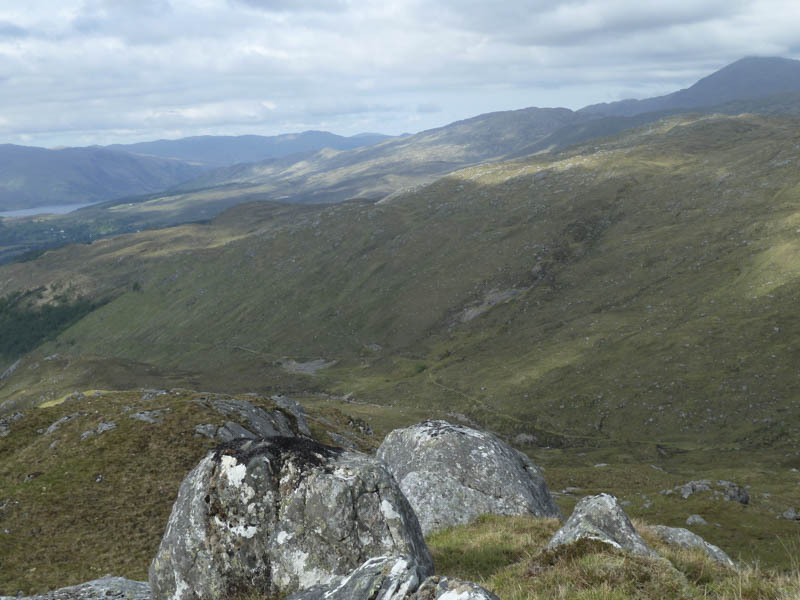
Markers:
(747, 78)
(222, 150)
(32, 177)
(635, 289)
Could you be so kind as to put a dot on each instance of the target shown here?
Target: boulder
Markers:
(451, 474)
(393, 578)
(105, 588)
(280, 515)
(601, 518)
(696, 520)
(678, 536)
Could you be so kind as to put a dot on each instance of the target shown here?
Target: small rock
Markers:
(148, 416)
(444, 588)
(790, 515)
(233, 431)
(62, 421)
(206, 430)
(696, 520)
(679, 536)
(601, 518)
(600, 465)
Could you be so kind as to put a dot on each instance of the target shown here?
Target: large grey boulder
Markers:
(280, 515)
(452, 474)
(105, 588)
(601, 518)
(678, 536)
(393, 578)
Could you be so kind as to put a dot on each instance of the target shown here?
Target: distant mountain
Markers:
(748, 78)
(220, 151)
(374, 171)
(32, 177)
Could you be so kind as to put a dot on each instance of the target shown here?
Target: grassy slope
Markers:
(507, 556)
(656, 281)
(653, 279)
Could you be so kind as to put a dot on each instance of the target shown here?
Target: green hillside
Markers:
(623, 311)
(641, 283)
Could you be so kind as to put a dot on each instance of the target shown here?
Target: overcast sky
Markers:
(79, 72)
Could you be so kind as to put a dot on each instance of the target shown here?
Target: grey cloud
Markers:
(9, 30)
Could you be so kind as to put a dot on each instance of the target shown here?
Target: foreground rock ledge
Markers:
(602, 518)
(451, 474)
(279, 515)
(105, 588)
(393, 578)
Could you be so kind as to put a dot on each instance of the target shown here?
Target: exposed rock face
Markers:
(105, 588)
(452, 474)
(678, 536)
(379, 578)
(260, 422)
(280, 515)
(601, 518)
(393, 578)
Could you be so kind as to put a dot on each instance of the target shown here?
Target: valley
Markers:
(613, 294)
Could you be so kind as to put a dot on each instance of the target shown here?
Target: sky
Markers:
(83, 72)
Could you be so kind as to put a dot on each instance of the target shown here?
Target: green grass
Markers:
(507, 555)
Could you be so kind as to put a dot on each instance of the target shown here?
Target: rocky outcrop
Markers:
(727, 490)
(105, 588)
(393, 578)
(280, 515)
(254, 420)
(5, 422)
(678, 536)
(452, 474)
(602, 518)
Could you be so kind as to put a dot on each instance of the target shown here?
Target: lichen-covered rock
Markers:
(105, 588)
(601, 518)
(280, 515)
(393, 578)
(678, 536)
(443, 588)
(451, 474)
(380, 578)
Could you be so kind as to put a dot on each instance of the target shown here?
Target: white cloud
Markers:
(79, 71)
